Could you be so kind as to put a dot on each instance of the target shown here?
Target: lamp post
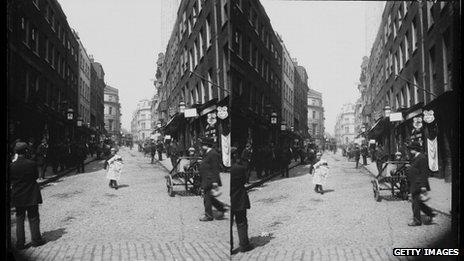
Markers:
(387, 111)
(181, 107)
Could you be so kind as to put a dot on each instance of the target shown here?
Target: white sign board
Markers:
(397, 116)
(190, 113)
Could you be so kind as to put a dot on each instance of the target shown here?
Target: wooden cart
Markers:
(392, 178)
(184, 173)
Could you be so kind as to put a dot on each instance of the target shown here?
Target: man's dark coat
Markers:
(25, 190)
(210, 168)
(417, 173)
(238, 195)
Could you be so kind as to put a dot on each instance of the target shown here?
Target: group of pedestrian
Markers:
(57, 155)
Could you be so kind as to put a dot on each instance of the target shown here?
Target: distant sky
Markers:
(329, 39)
(125, 37)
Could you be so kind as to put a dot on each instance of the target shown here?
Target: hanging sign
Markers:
(397, 116)
(432, 150)
(190, 113)
(428, 116)
(417, 122)
(211, 118)
(225, 149)
(222, 112)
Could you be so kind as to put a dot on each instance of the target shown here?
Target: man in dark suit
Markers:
(239, 199)
(209, 169)
(418, 183)
(246, 159)
(25, 196)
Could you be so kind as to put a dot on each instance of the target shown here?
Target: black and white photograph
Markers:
(233, 130)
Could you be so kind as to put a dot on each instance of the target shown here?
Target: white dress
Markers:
(321, 172)
(114, 168)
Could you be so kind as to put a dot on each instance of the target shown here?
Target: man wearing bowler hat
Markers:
(25, 196)
(209, 173)
(417, 176)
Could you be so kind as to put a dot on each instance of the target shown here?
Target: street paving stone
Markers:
(289, 221)
(83, 219)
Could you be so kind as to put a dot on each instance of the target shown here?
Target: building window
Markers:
(400, 54)
(430, 19)
(446, 63)
(111, 110)
(408, 95)
(195, 54)
(314, 114)
(406, 47)
(416, 90)
(224, 11)
(200, 37)
(432, 70)
(238, 43)
(208, 31)
(210, 85)
(414, 34)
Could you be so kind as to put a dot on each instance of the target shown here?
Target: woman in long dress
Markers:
(321, 171)
(114, 166)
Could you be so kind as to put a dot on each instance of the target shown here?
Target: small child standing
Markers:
(321, 171)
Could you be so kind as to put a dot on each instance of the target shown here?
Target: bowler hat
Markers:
(207, 142)
(414, 146)
(20, 147)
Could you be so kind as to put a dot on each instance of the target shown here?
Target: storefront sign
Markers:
(428, 116)
(222, 112)
(397, 116)
(190, 113)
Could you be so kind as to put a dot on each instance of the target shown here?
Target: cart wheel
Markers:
(376, 190)
(170, 186)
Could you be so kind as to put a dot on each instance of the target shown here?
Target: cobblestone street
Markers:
(83, 219)
(289, 221)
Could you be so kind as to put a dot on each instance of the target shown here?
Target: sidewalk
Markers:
(50, 176)
(440, 191)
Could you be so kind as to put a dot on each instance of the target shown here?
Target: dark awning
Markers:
(379, 128)
(173, 123)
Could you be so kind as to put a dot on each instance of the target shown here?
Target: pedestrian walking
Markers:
(380, 158)
(239, 199)
(42, 158)
(246, 160)
(258, 160)
(159, 149)
(417, 175)
(152, 151)
(174, 153)
(114, 166)
(81, 155)
(357, 155)
(286, 157)
(25, 196)
(210, 180)
(320, 173)
(364, 153)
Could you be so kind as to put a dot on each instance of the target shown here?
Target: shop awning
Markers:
(173, 123)
(378, 129)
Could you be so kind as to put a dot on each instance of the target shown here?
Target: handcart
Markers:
(184, 173)
(392, 178)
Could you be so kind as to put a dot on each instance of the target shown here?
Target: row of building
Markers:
(409, 83)
(55, 88)
(272, 100)
(223, 49)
